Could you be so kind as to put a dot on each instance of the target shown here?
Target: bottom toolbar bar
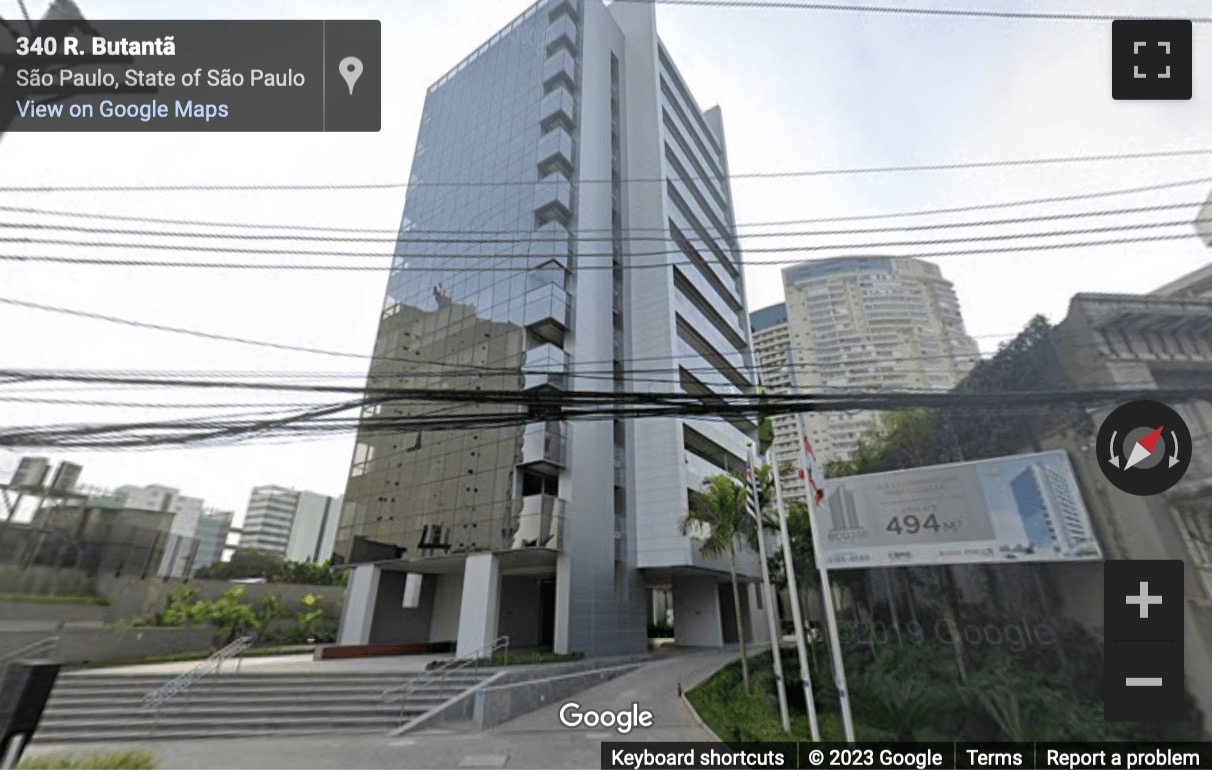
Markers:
(637, 755)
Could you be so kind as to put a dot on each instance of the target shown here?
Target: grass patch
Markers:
(99, 601)
(116, 760)
(736, 716)
(199, 655)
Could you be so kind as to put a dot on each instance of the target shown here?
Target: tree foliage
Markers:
(719, 519)
(227, 613)
(251, 563)
(912, 438)
(900, 684)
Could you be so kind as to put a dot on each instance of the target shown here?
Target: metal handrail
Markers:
(441, 671)
(32, 647)
(180, 684)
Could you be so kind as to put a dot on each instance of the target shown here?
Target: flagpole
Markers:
(776, 651)
(811, 471)
(797, 617)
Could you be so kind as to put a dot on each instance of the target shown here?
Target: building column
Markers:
(758, 625)
(480, 605)
(360, 597)
(561, 643)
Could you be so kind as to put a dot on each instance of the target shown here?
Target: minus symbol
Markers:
(1143, 681)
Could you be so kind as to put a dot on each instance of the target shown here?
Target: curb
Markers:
(698, 719)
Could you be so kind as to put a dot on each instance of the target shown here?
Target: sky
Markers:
(799, 90)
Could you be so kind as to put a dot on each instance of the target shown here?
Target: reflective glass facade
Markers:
(476, 299)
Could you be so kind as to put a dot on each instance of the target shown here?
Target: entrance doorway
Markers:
(547, 595)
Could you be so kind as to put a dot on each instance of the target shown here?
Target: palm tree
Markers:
(719, 518)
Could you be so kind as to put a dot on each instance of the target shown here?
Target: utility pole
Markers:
(812, 475)
(797, 615)
(776, 646)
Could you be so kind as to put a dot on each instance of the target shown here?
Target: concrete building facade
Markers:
(611, 262)
(871, 324)
(182, 544)
(211, 533)
(297, 525)
(98, 538)
(772, 348)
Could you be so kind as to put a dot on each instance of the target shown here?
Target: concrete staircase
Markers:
(109, 707)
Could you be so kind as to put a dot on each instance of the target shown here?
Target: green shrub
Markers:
(100, 601)
(738, 717)
(662, 629)
(117, 760)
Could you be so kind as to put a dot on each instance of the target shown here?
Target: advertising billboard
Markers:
(1017, 508)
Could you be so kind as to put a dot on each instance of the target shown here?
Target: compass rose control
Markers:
(1144, 447)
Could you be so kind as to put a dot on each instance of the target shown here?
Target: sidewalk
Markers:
(535, 740)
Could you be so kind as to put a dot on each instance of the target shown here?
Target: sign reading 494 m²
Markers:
(1017, 508)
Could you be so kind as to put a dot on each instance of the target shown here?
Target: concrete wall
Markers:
(448, 593)
(697, 620)
(93, 645)
(131, 597)
(54, 613)
(392, 622)
(39, 579)
(514, 692)
(500, 702)
(599, 609)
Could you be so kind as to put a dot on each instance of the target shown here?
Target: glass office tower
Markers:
(568, 227)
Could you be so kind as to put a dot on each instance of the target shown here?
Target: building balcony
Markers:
(546, 312)
(543, 447)
(546, 367)
(562, 34)
(558, 108)
(555, 153)
(539, 523)
(553, 200)
(551, 243)
(563, 8)
(560, 69)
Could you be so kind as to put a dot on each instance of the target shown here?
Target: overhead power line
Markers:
(112, 262)
(632, 365)
(518, 408)
(804, 5)
(183, 405)
(176, 329)
(457, 395)
(877, 245)
(537, 238)
(75, 214)
(807, 173)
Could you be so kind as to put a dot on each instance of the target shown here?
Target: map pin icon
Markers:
(351, 70)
